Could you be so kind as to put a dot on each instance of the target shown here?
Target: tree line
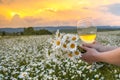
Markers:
(27, 31)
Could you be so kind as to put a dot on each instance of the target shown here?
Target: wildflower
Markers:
(70, 54)
(23, 75)
(57, 43)
(64, 47)
(58, 35)
(74, 37)
(76, 52)
(66, 38)
(72, 46)
(96, 76)
(88, 67)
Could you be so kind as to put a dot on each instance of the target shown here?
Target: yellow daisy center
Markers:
(73, 38)
(58, 43)
(72, 45)
(70, 55)
(64, 45)
(24, 75)
(76, 53)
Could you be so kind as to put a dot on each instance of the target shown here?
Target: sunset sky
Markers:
(25, 13)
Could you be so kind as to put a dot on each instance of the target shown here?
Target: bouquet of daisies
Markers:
(66, 45)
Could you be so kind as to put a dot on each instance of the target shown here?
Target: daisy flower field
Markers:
(45, 58)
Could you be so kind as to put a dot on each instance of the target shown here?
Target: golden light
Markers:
(52, 12)
(20, 13)
(14, 13)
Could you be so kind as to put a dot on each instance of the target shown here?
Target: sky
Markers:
(26, 13)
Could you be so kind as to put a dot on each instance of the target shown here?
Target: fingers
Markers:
(86, 59)
(92, 45)
(88, 45)
(95, 42)
(85, 48)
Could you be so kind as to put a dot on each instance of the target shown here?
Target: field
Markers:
(26, 58)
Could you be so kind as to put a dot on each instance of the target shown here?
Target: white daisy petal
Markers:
(23, 75)
(72, 46)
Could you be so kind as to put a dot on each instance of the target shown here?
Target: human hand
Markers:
(90, 56)
(99, 47)
(96, 46)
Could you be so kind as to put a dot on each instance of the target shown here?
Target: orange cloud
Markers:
(23, 13)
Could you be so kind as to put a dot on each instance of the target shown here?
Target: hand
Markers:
(96, 46)
(90, 56)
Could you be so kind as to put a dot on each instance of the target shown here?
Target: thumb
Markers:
(88, 45)
(91, 45)
(85, 48)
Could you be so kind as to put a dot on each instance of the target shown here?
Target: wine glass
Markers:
(87, 31)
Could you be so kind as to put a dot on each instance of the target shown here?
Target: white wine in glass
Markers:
(86, 30)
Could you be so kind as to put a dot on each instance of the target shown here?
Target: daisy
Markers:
(58, 35)
(64, 47)
(57, 43)
(72, 46)
(66, 38)
(74, 38)
(23, 75)
(77, 53)
(70, 55)
(51, 41)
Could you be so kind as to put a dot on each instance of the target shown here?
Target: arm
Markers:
(99, 47)
(112, 57)
(92, 55)
(106, 48)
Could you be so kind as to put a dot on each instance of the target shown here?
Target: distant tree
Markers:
(21, 33)
(29, 31)
(0, 33)
(3, 33)
(43, 32)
